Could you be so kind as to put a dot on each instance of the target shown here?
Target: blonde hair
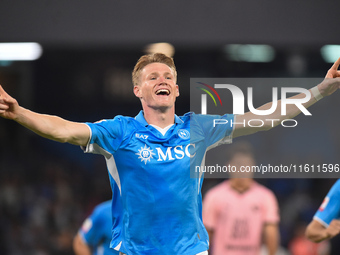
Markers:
(149, 59)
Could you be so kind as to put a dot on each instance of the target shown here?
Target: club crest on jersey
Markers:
(184, 134)
(145, 154)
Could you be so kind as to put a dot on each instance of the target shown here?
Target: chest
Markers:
(149, 146)
(241, 205)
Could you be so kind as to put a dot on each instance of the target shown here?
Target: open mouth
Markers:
(163, 92)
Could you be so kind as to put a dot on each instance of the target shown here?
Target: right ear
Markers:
(137, 91)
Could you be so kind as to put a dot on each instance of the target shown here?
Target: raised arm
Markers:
(328, 86)
(51, 127)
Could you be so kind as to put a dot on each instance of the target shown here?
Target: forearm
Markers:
(317, 236)
(250, 122)
(271, 238)
(272, 246)
(291, 110)
(316, 232)
(51, 127)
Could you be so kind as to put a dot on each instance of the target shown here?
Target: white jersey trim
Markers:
(110, 161)
(162, 130)
(112, 167)
(85, 149)
(320, 221)
(118, 246)
(203, 253)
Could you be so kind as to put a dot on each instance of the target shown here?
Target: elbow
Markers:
(264, 124)
(271, 123)
(64, 140)
(62, 136)
(60, 139)
(267, 127)
(54, 137)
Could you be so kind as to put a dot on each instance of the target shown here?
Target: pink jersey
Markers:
(237, 219)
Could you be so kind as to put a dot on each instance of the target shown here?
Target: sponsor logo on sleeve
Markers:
(324, 204)
(87, 225)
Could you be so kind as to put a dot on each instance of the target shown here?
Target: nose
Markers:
(162, 79)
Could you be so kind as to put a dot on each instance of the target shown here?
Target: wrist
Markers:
(316, 93)
(18, 114)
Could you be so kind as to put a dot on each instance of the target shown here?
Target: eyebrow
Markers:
(156, 73)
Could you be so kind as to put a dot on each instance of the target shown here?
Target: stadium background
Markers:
(89, 49)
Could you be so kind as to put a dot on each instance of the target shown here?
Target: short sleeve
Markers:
(106, 136)
(216, 129)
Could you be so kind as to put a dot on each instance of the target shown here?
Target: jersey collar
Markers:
(140, 118)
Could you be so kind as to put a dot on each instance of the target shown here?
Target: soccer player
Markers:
(94, 236)
(326, 221)
(238, 212)
(149, 156)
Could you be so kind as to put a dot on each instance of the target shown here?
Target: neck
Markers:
(240, 185)
(158, 117)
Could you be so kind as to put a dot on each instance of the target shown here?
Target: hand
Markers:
(333, 72)
(333, 228)
(8, 105)
(331, 83)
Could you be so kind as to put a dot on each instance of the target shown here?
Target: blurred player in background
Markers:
(94, 236)
(149, 156)
(326, 221)
(239, 212)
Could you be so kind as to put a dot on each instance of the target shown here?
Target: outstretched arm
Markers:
(316, 232)
(328, 86)
(51, 127)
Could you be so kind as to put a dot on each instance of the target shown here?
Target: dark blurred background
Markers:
(84, 74)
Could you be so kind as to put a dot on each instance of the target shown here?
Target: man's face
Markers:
(157, 88)
(241, 180)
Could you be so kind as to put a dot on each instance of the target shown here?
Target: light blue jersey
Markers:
(162, 205)
(96, 230)
(330, 208)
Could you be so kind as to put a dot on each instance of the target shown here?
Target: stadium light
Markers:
(20, 51)
(250, 52)
(330, 53)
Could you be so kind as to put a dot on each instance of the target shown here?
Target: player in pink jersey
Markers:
(239, 212)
